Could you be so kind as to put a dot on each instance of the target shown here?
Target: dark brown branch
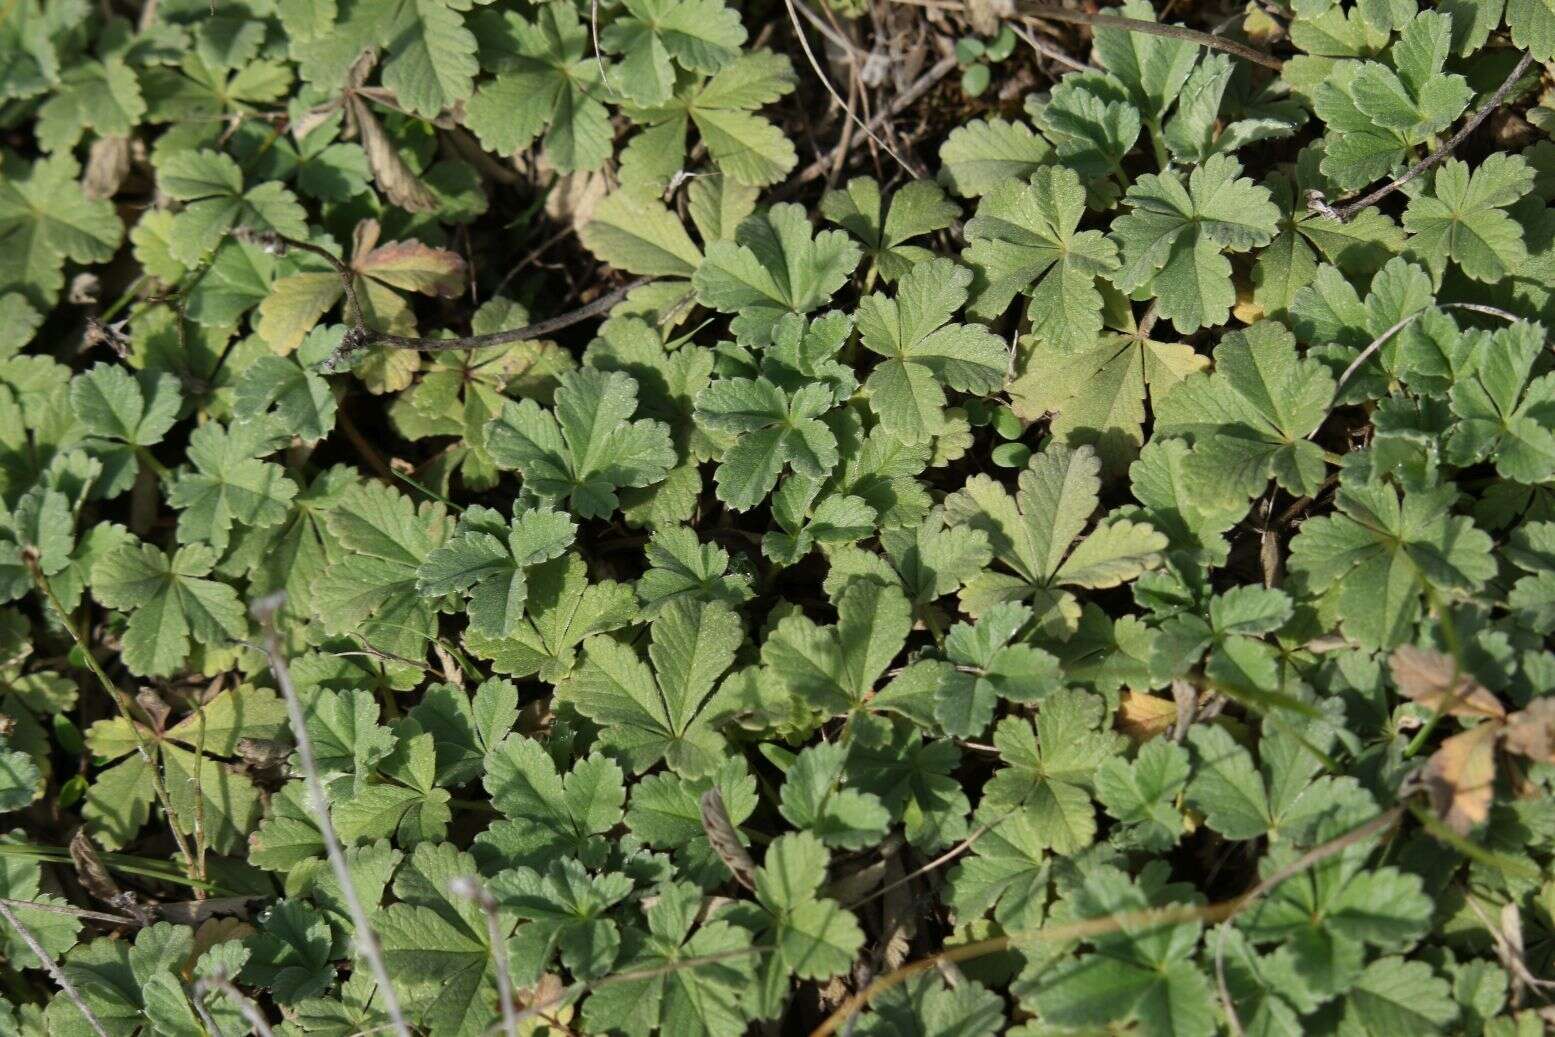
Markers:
(1316, 203)
(360, 337)
(1174, 32)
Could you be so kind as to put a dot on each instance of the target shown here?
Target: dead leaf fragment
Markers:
(1530, 732)
(1434, 681)
(1143, 717)
(1460, 776)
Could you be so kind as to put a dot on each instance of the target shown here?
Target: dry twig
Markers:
(1316, 202)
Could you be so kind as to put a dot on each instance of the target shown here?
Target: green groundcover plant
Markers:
(515, 520)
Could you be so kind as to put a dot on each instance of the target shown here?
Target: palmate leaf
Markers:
(561, 610)
(744, 146)
(561, 910)
(1036, 536)
(1025, 238)
(666, 712)
(437, 948)
(776, 264)
(45, 219)
(1358, 246)
(1504, 412)
(1464, 218)
(487, 559)
(169, 600)
(775, 429)
(545, 83)
(1149, 979)
(692, 983)
(294, 304)
(1175, 236)
(702, 36)
(835, 668)
(1375, 114)
(923, 352)
(813, 936)
(983, 154)
(547, 814)
(1097, 396)
(201, 788)
(1380, 552)
(587, 447)
(815, 800)
(1151, 68)
(229, 484)
(682, 568)
(369, 588)
(210, 184)
(885, 226)
(1049, 768)
(1249, 420)
(989, 664)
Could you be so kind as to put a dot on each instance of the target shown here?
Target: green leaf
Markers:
(1250, 419)
(1532, 24)
(1144, 793)
(702, 36)
(290, 953)
(46, 219)
(1504, 414)
(113, 404)
(210, 184)
(834, 668)
(985, 153)
(561, 910)
(562, 609)
(302, 401)
(776, 264)
(814, 799)
(169, 599)
(1380, 552)
(548, 815)
(885, 226)
(923, 351)
(989, 667)
(229, 485)
(776, 429)
(666, 713)
(1025, 238)
(488, 559)
(1037, 536)
(1175, 236)
(691, 983)
(369, 588)
(587, 447)
(1050, 766)
(682, 568)
(1464, 217)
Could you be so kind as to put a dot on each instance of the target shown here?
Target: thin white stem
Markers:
(53, 970)
(256, 1018)
(366, 940)
(472, 888)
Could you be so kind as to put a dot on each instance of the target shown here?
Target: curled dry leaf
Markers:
(393, 176)
(725, 839)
